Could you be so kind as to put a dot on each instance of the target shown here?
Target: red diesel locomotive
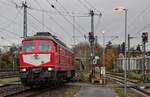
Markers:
(44, 59)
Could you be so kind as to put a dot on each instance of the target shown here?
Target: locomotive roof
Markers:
(46, 36)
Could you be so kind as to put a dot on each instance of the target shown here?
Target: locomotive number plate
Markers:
(36, 70)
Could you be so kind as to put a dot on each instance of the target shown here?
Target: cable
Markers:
(40, 22)
(10, 32)
(52, 19)
(63, 16)
(5, 28)
(92, 6)
(38, 4)
(140, 14)
(6, 40)
(148, 25)
(83, 5)
(12, 22)
(2, 2)
(48, 11)
(32, 24)
(98, 22)
(71, 16)
(64, 13)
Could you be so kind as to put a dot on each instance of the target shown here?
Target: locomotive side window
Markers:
(28, 47)
(44, 46)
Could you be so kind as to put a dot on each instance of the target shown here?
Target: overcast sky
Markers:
(59, 20)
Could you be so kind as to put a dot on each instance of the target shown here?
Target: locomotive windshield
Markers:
(28, 47)
(44, 46)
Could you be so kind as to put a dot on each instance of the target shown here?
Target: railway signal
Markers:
(145, 37)
(144, 40)
(91, 37)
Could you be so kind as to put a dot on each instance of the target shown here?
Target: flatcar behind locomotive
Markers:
(45, 60)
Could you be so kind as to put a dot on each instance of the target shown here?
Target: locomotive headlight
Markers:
(23, 70)
(49, 69)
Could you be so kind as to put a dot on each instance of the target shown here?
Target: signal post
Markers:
(144, 40)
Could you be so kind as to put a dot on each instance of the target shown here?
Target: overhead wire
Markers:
(10, 32)
(32, 24)
(60, 26)
(139, 15)
(16, 6)
(54, 12)
(63, 15)
(6, 40)
(65, 10)
(12, 21)
(91, 6)
(48, 11)
(40, 22)
(100, 14)
(52, 18)
(71, 16)
(84, 5)
(148, 25)
(7, 26)
(2, 2)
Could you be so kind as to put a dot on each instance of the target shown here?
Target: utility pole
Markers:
(104, 68)
(122, 9)
(129, 37)
(92, 20)
(125, 75)
(24, 5)
(74, 30)
(43, 19)
(144, 58)
(92, 41)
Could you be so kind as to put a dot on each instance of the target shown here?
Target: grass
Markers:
(135, 75)
(130, 93)
(8, 80)
(71, 91)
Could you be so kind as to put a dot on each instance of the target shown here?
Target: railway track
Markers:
(9, 74)
(21, 91)
(7, 90)
(130, 84)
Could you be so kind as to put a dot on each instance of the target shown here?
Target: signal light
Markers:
(91, 37)
(145, 37)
